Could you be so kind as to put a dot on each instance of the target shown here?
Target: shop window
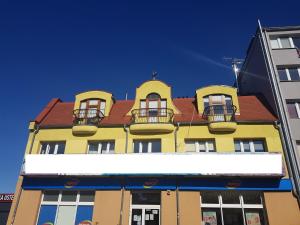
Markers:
(98, 147)
(232, 208)
(146, 146)
(66, 207)
(52, 147)
(200, 146)
(249, 146)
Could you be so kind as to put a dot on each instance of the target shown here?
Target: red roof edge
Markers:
(47, 109)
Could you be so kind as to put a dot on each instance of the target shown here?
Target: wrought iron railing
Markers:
(152, 115)
(219, 113)
(87, 117)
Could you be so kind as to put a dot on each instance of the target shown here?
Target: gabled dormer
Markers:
(89, 109)
(153, 108)
(218, 105)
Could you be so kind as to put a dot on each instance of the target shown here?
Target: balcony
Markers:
(221, 118)
(86, 121)
(158, 164)
(152, 120)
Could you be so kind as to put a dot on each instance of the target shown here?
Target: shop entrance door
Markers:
(145, 215)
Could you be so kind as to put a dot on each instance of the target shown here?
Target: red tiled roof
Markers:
(60, 114)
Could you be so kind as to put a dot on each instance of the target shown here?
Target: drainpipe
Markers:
(126, 143)
(290, 151)
(175, 136)
(177, 205)
(35, 131)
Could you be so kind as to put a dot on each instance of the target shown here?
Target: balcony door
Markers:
(153, 108)
(220, 106)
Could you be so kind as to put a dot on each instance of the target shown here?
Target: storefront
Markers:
(153, 201)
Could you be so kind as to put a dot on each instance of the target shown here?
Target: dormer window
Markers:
(153, 107)
(218, 106)
(90, 107)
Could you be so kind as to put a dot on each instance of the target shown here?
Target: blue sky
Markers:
(60, 48)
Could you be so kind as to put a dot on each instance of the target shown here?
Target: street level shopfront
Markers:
(154, 200)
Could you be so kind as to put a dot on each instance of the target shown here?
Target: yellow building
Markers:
(214, 159)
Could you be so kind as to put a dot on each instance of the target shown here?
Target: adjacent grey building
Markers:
(271, 70)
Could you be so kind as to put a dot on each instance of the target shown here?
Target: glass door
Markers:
(145, 215)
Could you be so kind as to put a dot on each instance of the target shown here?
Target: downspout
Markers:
(290, 151)
(126, 142)
(175, 136)
(177, 204)
(35, 131)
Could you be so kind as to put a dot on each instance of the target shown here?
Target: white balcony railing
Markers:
(209, 164)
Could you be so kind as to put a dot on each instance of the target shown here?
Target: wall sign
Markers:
(6, 197)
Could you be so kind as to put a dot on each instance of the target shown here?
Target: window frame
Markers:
(90, 107)
(197, 145)
(58, 203)
(48, 147)
(99, 149)
(287, 72)
(149, 145)
(296, 104)
(251, 144)
(278, 39)
(241, 205)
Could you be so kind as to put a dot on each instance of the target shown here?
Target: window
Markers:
(89, 107)
(296, 41)
(298, 148)
(199, 146)
(288, 74)
(232, 208)
(52, 148)
(218, 107)
(249, 146)
(282, 42)
(98, 147)
(146, 146)
(66, 207)
(293, 108)
(153, 106)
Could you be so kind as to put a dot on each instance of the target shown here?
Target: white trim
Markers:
(291, 42)
(240, 205)
(47, 143)
(199, 142)
(287, 71)
(251, 144)
(99, 149)
(59, 203)
(297, 108)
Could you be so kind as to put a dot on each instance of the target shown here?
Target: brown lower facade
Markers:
(152, 206)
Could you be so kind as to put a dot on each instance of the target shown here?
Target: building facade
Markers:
(272, 70)
(155, 160)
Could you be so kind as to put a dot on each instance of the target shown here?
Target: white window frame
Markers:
(278, 39)
(61, 203)
(143, 208)
(48, 146)
(251, 143)
(197, 145)
(287, 71)
(108, 150)
(149, 146)
(240, 205)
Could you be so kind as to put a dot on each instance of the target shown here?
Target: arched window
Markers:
(90, 107)
(153, 107)
(218, 105)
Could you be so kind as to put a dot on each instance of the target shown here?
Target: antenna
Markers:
(154, 75)
(126, 96)
(234, 63)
